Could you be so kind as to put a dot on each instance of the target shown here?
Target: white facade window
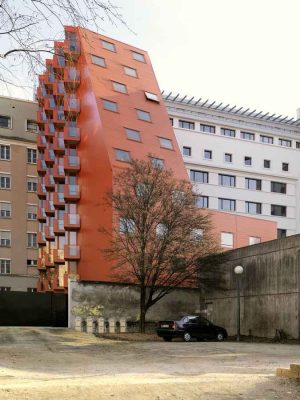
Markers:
(227, 180)
(130, 71)
(228, 132)
(208, 154)
(5, 238)
(144, 115)
(98, 60)
(152, 97)
(119, 87)
(5, 121)
(108, 46)
(161, 230)
(31, 263)
(31, 184)
(5, 210)
(254, 240)
(31, 212)
(186, 124)
(31, 240)
(248, 161)
(228, 157)
(31, 156)
(226, 204)
(247, 136)
(197, 233)
(201, 201)
(253, 184)
(207, 128)
(253, 208)
(266, 139)
(199, 176)
(166, 143)
(32, 125)
(4, 152)
(138, 56)
(285, 142)
(122, 155)
(157, 162)
(5, 266)
(4, 181)
(187, 151)
(133, 134)
(227, 239)
(126, 225)
(285, 166)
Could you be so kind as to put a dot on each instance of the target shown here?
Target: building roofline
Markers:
(18, 99)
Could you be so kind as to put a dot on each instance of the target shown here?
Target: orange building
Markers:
(100, 106)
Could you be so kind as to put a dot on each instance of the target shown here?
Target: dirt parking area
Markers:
(46, 364)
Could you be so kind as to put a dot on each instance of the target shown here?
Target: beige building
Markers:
(18, 181)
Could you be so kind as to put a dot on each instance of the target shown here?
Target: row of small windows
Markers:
(5, 183)
(227, 239)
(123, 155)
(6, 212)
(6, 122)
(112, 47)
(232, 133)
(208, 155)
(5, 154)
(5, 268)
(5, 239)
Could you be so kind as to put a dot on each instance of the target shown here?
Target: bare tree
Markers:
(158, 235)
(28, 28)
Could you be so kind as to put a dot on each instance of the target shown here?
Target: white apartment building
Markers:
(241, 161)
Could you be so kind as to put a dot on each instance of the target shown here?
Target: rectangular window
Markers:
(31, 156)
(254, 240)
(228, 157)
(130, 71)
(157, 162)
(5, 238)
(152, 97)
(171, 121)
(4, 181)
(281, 233)
(122, 155)
(253, 184)
(266, 139)
(31, 290)
(297, 145)
(32, 125)
(277, 210)
(5, 266)
(138, 56)
(247, 136)
(98, 61)
(119, 87)
(285, 166)
(31, 240)
(186, 124)
(253, 208)
(108, 46)
(248, 161)
(110, 105)
(199, 176)
(144, 115)
(285, 142)
(226, 204)
(227, 180)
(228, 132)
(4, 152)
(166, 143)
(5, 122)
(31, 263)
(207, 128)
(267, 164)
(126, 225)
(187, 151)
(5, 210)
(31, 184)
(133, 134)
(31, 213)
(278, 187)
(227, 239)
(208, 154)
(5, 289)
(201, 201)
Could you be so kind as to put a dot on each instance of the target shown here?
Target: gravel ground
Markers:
(46, 364)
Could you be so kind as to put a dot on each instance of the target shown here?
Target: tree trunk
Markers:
(142, 309)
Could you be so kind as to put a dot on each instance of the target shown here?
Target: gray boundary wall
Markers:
(270, 297)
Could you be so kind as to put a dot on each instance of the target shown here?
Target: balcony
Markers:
(71, 106)
(72, 222)
(41, 167)
(49, 130)
(49, 233)
(58, 145)
(41, 142)
(49, 103)
(49, 208)
(48, 79)
(71, 135)
(41, 263)
(72, 252)
(58, 200)
(41, 117)
(41, 191)
(59, 256)
(71, 78)
(72, 49)
(59, 173)
(59, 117)
(41, 215)
(49, 261)
(59, 89)
(41, 92)
(49, 183)
(58, 227)
(41, 240)
(72, 164)
(58, 61)
(49, 157)
(71, 193)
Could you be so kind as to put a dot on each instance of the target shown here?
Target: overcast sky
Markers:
(237, 51)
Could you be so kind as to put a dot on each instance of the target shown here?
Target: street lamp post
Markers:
(238, 270)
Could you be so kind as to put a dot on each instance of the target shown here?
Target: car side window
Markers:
(203, 321)
(194, 321)
(185, 320)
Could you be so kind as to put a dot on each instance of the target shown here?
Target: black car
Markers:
(189, 327)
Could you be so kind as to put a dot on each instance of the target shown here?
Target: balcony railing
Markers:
(41, 239)
(49, 156)
(49, 129)
(72, 252)
(71, 78)
(71, 105)
(49, 260)
(58, 227)
(41, 215)
(71, 193)
(58, 173)
(59, 89)
(41, 191)
(41, 117)
(71, 134)
(72, 49)
(49, 208)
(58, 200)
(49, 183)
(59, 116)
(72, 163)
(59, 145)
(41, 142)
(49, 233)
(59, 256)
(72, 221)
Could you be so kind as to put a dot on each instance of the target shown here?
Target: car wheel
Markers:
(187, 337)
(167, 339)
(220, 337)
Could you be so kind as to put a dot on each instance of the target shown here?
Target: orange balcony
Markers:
(71, 106)
(59, 173)
(72, 49)
(71, 134)
(48, 79)
(59, 117)
(49, 260)
(49, 183)
(41, 142)
(72, 164)
(49, 130)
(71, 193)
(41, 117)
(41, 263)
(41, 240)
(58, 145)
(71, 78)
(41, 215)
(49, 233)
(72, 222)
(72, 252)
(41, 191)
(59, 89)
(41, 92)
(49, 103)
(58, 61)
(49, 208)
(41, 167)
(58, 227)
(49, 157)
(59, 256)
(58, 200)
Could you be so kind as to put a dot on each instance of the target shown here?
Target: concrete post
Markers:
(78, 324)
(89, 325)
(123, 325)
(112, 325)
(101, 326)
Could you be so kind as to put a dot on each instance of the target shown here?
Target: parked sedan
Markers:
(190, 327)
